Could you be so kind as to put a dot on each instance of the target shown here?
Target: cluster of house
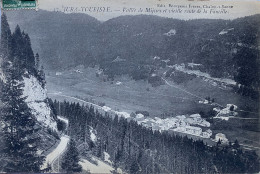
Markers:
(182, 123)
(228, 112)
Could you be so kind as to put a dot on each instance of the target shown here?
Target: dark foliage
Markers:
(70, 161)
(19, 126)
(61, 125)
(53, 133)
(137, 149)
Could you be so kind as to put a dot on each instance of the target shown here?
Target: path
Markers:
(57, 152)
(74, 98)
(249, 147)
(83, 101)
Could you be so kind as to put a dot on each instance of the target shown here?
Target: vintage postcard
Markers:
(138, 87)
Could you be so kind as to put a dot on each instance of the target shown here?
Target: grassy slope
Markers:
(131, 96)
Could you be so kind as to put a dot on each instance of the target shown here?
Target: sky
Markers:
(115, 8)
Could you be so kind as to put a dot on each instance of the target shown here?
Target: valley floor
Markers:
(126, 96)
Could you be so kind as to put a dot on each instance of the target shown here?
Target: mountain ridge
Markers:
(79, 39)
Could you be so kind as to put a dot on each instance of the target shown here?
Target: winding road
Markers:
(56, 153)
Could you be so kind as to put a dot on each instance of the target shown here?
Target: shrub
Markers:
(61, 125)
(53, 133)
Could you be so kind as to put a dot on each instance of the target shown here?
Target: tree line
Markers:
(137, 149)
(19, 128)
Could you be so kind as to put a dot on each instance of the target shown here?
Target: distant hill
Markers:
(66, 40)
(60, 39)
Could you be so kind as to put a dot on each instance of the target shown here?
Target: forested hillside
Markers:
(137, 149)
(28, 125)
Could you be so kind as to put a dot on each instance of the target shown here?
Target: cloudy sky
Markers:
(120, 7)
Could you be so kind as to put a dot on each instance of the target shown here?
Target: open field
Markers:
(131, 95)
(125, 94)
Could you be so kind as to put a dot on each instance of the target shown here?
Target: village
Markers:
(183, 123)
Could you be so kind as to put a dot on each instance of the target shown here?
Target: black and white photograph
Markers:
(140, 87)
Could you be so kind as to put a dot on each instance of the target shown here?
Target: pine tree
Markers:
(17, 47)
(20, 133)
(42, 77)
(28, 52)
(248, 74)
(37, 61)
(6, 37)
(71, 159)
(98, 149)
(134, 168)
(20, 138)
(236, 144)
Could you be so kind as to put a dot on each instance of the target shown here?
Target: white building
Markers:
(58, 73)
(221, 137)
